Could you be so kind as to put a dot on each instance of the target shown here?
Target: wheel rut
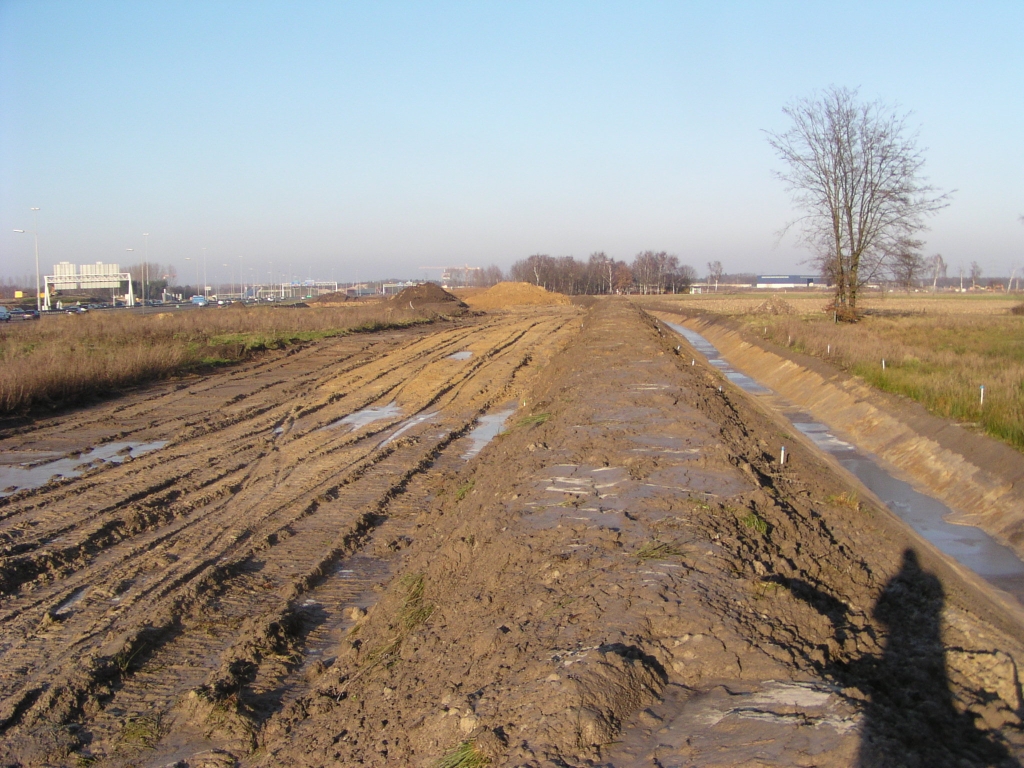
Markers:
(223, 558)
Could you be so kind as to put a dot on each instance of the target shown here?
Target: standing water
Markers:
(967, 544)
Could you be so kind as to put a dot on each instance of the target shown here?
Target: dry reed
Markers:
(939, 360)
(64, 359)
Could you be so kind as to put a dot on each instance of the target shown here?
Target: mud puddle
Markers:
(354, 584)
(365, 417)
(463, 355)
(409, 424)
(30, 475)
(967, 544)
(709, 351)
(488, 427)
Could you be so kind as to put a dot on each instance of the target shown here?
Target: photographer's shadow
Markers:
(909, 720)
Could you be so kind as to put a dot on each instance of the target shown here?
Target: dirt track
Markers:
(626, 577)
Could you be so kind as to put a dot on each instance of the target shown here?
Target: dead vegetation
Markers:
(941, 361)
(66, 359)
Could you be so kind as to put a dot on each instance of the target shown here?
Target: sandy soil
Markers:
(625, 577)
(504, 295)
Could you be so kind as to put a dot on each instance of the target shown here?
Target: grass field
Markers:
(938, 350)
(66, 358)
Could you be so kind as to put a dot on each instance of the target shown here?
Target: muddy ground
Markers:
(315, 570)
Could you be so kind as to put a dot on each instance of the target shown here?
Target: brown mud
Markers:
(429, 296)
(625, 577)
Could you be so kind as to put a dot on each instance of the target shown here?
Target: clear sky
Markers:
(359, 140)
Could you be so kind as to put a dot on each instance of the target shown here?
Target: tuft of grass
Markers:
(464, 490)
(657, 550)
(142, 731)
(847, 499)
(466, 755)
(762, 589)
(533, 420)
(755, 522)
(414, 611)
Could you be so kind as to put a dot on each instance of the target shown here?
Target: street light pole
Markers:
(189, 258)
(145, 272)
(35, 235)
(143, 288)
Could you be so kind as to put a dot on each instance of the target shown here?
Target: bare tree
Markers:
(975, 274)
(907, 264)
(856, 175)
(937, 266)
(715, 272)
(623, 277)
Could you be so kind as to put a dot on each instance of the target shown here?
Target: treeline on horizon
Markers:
(649, 272)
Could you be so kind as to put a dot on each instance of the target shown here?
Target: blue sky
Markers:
(358, 140)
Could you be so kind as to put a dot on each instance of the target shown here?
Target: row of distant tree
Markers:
(648, 272)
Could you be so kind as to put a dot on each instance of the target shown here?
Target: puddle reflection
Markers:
(488, 427)
(362, 418)
(26, 476)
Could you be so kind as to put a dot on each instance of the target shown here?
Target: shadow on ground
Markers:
(910, 719)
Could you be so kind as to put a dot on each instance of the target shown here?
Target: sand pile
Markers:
(338, 297)
(514, 294)
(775, 306)
(428, 296)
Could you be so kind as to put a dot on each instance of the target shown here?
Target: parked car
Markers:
(76, 310)
(24, 314)
(5, 316)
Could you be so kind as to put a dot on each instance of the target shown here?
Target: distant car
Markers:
(24, 314)
(77, 310)
(5, 316)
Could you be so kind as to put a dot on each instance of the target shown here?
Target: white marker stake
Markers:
(883, 363)
(782, 455)
(829, 352)
(983, 394)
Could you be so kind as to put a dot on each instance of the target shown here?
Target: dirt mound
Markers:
(338, 297)
(428, 295)
(513, 295)
(775, 306)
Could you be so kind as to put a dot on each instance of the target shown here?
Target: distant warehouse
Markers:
(789, 281)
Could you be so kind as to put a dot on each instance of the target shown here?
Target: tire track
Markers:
(90, 631)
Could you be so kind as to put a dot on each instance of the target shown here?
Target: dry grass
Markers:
(939, 349)
(466, 755)
(657, 550)
(63, 359)
(814, 302)
(939, 360)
